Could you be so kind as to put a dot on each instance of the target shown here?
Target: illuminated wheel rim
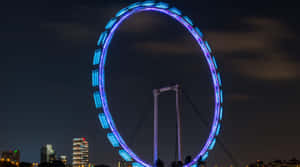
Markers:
(98, 79)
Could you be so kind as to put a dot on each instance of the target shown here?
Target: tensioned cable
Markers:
(219, 141)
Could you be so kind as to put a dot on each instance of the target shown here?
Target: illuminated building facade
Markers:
(63, 159)
(124, 164)
(48, 154)
(11, 156)
(80, 152)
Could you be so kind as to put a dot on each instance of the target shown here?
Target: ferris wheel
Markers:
(98, 80)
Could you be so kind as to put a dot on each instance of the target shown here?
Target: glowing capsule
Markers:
(205, 156)
(221, 96)
(102, 38)
(135, 164)
(103, 121)
(125, 155)
(95, 78)
(175, 10)
(212, 145)
(219, 78)
(199, 32)
(134, 5)
(215, 63)
(97, 56)
(121, 12)
(221, 113)
(110, 23)
(162, 5)
(218, 130)
(97, 99)
(186, 18)
(113, 140)
(148, 3)
(208, 47)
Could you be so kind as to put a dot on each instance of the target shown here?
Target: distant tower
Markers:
(80, 152)
(63, 159)
(48, 154)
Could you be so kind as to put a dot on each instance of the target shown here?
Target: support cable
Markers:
(219, 141)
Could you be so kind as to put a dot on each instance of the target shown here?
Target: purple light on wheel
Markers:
(100, 58)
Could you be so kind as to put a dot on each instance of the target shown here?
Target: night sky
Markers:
(45, 67)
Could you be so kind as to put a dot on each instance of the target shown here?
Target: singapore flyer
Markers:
(98, 80)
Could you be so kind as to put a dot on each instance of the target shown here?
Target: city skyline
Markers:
(48, 153)
(47, 51)
(13, 157)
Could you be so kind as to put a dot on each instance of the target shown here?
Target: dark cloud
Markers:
(270, 68)
(142, 23)
(75, 32)
(267, 61)
(238, 97)
(168, 48)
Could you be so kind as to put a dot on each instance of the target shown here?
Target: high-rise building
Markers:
(80, 152)
(13, 156)
(48, 154)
